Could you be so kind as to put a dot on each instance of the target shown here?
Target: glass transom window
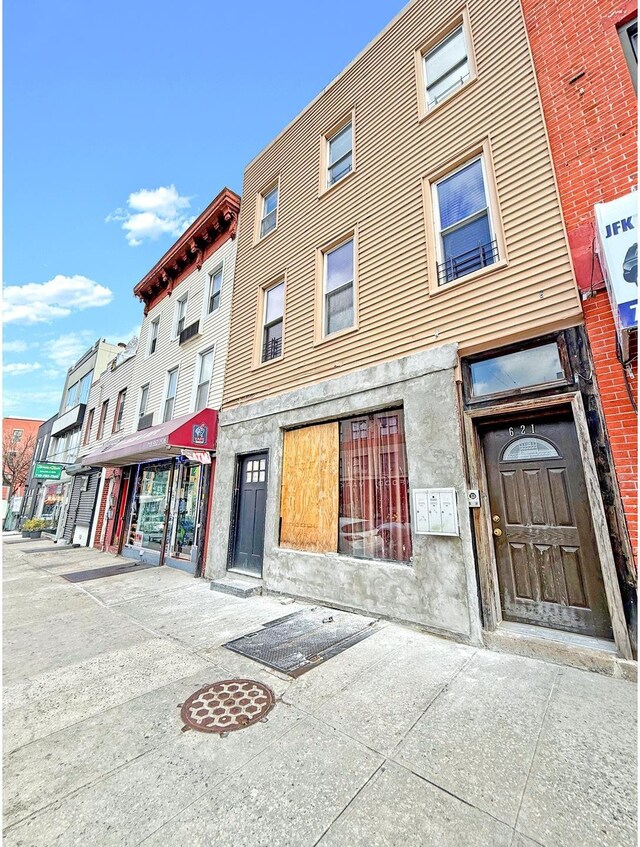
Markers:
(340, 154)
(446, 67)
(513, 371)
(465, 239)
(338, 288)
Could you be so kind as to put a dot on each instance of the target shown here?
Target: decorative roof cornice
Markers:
(218, 222)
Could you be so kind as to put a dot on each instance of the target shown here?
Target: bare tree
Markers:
(16, 461)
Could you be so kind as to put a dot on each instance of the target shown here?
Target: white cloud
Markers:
(42, 302)
(19, 368)
(15, 346)
(32, 403)
(65, 350)
(152, 213)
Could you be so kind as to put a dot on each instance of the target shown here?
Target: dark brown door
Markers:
(548, 566)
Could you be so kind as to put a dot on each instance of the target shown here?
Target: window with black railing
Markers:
(273, 322)
(466, 239)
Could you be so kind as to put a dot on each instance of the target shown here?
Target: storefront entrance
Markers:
(547, 559)
(164, 512)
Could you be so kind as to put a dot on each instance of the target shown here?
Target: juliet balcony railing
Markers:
(466, 263)
(271, 349)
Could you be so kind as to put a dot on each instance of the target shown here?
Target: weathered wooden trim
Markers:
(601, 531)
(487, 567)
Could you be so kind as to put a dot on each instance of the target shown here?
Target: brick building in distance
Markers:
(585, 57)
(18, 443)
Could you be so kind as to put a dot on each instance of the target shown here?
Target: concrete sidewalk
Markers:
(404, 739)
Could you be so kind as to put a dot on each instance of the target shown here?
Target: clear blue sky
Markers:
(105, 104)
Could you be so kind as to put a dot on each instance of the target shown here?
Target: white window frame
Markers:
(210, 293)
(265, 298)
(196, 376)
(489, 211)
(141, 412)
(261, 216)
(154, 331)
(167, 384)
(328, 166)
(180, 302)
(118, 414)
(324, 314)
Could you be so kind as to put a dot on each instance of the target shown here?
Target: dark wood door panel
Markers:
(548, 568)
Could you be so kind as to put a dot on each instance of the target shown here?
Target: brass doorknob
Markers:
(497, 531)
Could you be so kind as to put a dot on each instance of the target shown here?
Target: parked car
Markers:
(360, 538)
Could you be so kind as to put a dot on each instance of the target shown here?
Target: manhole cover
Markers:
(228, 705)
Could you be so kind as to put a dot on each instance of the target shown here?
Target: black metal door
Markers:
(250, 513)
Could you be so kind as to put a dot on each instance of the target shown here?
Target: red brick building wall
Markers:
(590, 108)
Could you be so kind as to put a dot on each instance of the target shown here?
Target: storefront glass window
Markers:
(374, 521)
(148, 514)
(185, 505)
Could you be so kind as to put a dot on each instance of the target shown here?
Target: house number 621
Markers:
(523, 429)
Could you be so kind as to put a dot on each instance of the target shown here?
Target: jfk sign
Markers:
(617, 236)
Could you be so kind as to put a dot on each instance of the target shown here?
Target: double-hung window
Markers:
(87, 431)
(338, 288)
(153, 336)
(172, 386)
(446, 67)
(181, 315)
(119, 413)
(144, 399)
(272, 324)
(466, 241)
(269, 211)
(103, 417)
(629, 40)
(215, 285)
(339, 154)
(205, 369)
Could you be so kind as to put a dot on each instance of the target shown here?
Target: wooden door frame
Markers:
(487, 565)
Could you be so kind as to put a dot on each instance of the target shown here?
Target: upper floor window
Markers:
(172, 387)
(269, 211)
(181, 315)
(446, 67)
(87, 431)
(629, 39)
(153, 336)
(73, 394)
(85, 386)
(144, 399)
(464, 233)
(103, 417)
(17, 435)
(338, 288)
(339, 154)
(215, 285)
(205, 369)
(272, 324)
(119, 413)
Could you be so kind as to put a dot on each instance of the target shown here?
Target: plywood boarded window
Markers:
(309, 506)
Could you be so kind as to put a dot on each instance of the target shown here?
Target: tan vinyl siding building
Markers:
(408, 380)
(400, 308)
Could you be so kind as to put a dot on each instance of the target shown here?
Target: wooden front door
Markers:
(548, 566)
(250, 513)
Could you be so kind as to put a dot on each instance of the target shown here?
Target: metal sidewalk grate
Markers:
(298, 642)
(99, 573)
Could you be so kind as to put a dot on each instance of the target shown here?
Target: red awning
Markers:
(188, 432)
